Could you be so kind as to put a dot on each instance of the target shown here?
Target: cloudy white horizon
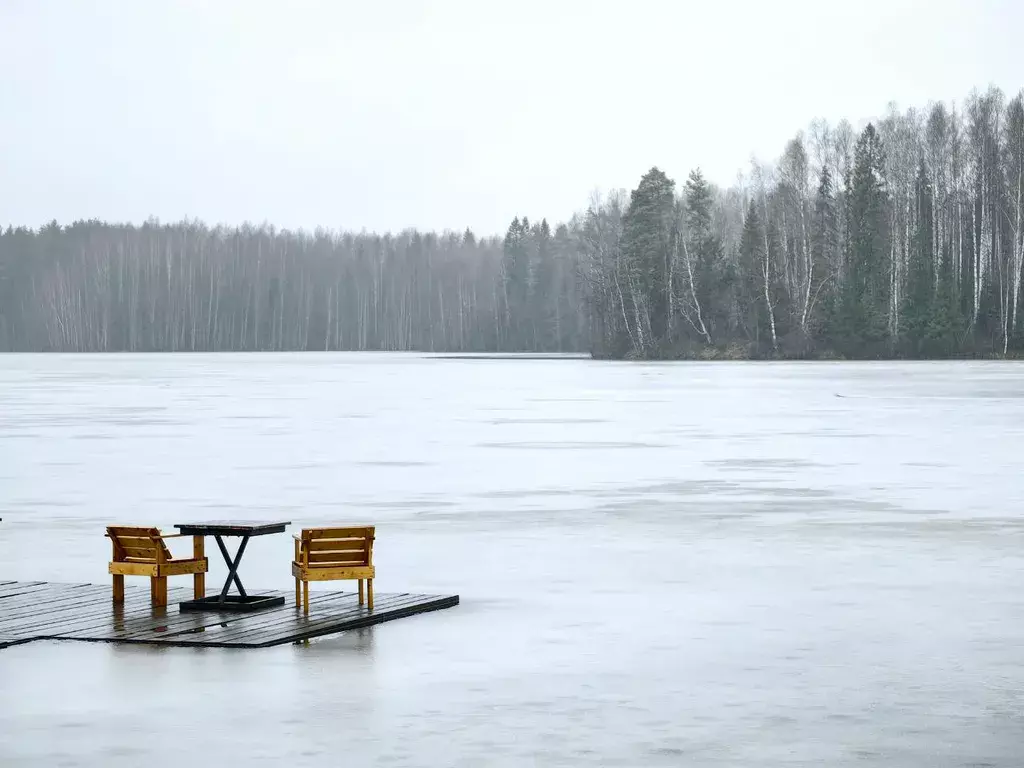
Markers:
(445, 115)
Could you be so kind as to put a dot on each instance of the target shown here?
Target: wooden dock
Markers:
(36, 610)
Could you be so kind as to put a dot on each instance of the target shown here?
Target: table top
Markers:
(232, 528)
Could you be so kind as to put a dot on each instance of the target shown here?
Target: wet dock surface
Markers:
(47, 611)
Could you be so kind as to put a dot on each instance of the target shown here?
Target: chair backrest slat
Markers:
(341, 547)
(136, 544)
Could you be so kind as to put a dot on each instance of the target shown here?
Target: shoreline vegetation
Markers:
(901, 240)
(741, 354)
(701, 355)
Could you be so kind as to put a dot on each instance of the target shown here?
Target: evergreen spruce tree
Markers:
(920, 290)
(864, 301)
(710, 279)
(542, 290)
(516, 284)
(945, 321)
(753, 319)
(647, 242)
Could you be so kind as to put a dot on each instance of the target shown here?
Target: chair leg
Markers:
(119, 589)
(360, 591)
(298, 593)
(158, 590)
(199, 579)
(305, 597)
(369, 594)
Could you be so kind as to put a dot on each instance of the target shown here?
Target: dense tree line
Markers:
(905, 239)
(98, 287)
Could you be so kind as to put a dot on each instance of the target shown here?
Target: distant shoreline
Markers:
(709, 356)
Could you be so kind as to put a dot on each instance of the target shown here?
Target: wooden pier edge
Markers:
(31, 611)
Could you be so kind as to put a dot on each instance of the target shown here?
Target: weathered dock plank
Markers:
(49, 611)
(99, 612)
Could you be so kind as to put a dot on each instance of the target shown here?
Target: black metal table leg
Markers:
(225, 602)
(232, 564)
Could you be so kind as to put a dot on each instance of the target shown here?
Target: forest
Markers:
(904, 238)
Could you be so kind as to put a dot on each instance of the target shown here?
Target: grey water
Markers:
(659, 564)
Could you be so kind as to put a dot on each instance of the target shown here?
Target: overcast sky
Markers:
(386, 115)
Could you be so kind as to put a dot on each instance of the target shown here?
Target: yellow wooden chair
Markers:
(142, 552)
(327, 554)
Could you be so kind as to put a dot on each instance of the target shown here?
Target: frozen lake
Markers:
(660, 564)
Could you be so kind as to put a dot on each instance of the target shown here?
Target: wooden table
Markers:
(243, 601)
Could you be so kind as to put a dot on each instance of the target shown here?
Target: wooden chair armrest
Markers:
(172, 535)
(296, 537)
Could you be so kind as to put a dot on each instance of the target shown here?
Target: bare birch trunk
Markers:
(693, 293)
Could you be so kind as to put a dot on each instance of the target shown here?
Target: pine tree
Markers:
(1013, 156)
(710, 281)
(917, 312)
(516, 284)
(542, 290)
(647, 240)
(945, 319)
(750, 290)
(863, 316)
